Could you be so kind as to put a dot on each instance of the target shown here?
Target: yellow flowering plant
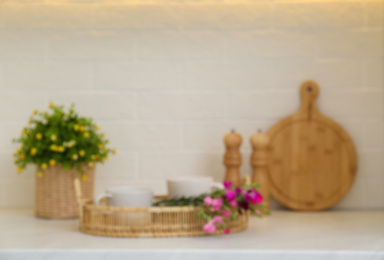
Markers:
(60, 137)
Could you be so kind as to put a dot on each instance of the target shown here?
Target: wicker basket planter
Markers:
(55, 194)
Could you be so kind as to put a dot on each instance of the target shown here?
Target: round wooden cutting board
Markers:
(313, 160)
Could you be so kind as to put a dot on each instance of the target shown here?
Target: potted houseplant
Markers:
(63, 146)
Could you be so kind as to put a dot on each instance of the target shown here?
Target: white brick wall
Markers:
(47, 76)
(35, 16)
(144, 135)
(374, 74)
(227, 16)
(166, 79)
(138, 75)
(330, 74)
(180, 44)
(214, 75)
(21, 46)
(90, 46)
(318, 15)
(100, 104)
(131, 16)
(270, 44)
(350, 43)
(167, 105)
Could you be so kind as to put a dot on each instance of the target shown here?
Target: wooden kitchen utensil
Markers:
(259, 162)
(313, 159)
(232, 157)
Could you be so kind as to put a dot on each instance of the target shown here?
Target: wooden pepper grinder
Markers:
(259, 162)
(232, 157)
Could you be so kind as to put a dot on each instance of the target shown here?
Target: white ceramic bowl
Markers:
(191, 186)
(126, 196)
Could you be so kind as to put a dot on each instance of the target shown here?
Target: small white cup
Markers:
(191, 186)
(127, 197)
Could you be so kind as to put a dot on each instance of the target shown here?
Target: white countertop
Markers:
(284, 235)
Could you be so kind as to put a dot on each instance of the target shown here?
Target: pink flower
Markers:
(217, 204)
(226, 213)
(208, 201)
(256, 198)
(209, 227)
(227, 184)
(253, 197)
(226, 231)
(230, 195)
(233, 203)
(238, 190)
(217, 219)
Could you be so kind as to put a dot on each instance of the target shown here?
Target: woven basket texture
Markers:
(55, 194)
(105, 220)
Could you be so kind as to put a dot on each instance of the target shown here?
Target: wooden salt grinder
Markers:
(232, 157)
(259, 162)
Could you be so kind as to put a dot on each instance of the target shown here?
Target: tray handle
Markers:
(79, 197)
(78, 190)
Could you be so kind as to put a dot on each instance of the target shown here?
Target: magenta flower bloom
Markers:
(208, 201)
(253, 197)
(238, 190)
(227, 184)
(226, 213)
(233, 203)
(230, 195)
(243, 205)
(209, 227)
(217, 219)
(227, 203)
(217, 204)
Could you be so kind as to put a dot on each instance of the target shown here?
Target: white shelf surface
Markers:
(283, 235)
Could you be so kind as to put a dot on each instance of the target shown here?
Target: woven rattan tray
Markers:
(105, 220)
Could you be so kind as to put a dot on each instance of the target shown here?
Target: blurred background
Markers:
(167, 79)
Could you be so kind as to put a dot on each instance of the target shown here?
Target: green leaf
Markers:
(234, 216)
(266, 211)
(255, 185)
(66, 165)
(206, 217)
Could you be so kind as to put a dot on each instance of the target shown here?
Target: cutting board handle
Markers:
(309, 91)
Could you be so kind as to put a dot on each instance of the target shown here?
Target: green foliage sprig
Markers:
(60, 137)
(196, 201)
